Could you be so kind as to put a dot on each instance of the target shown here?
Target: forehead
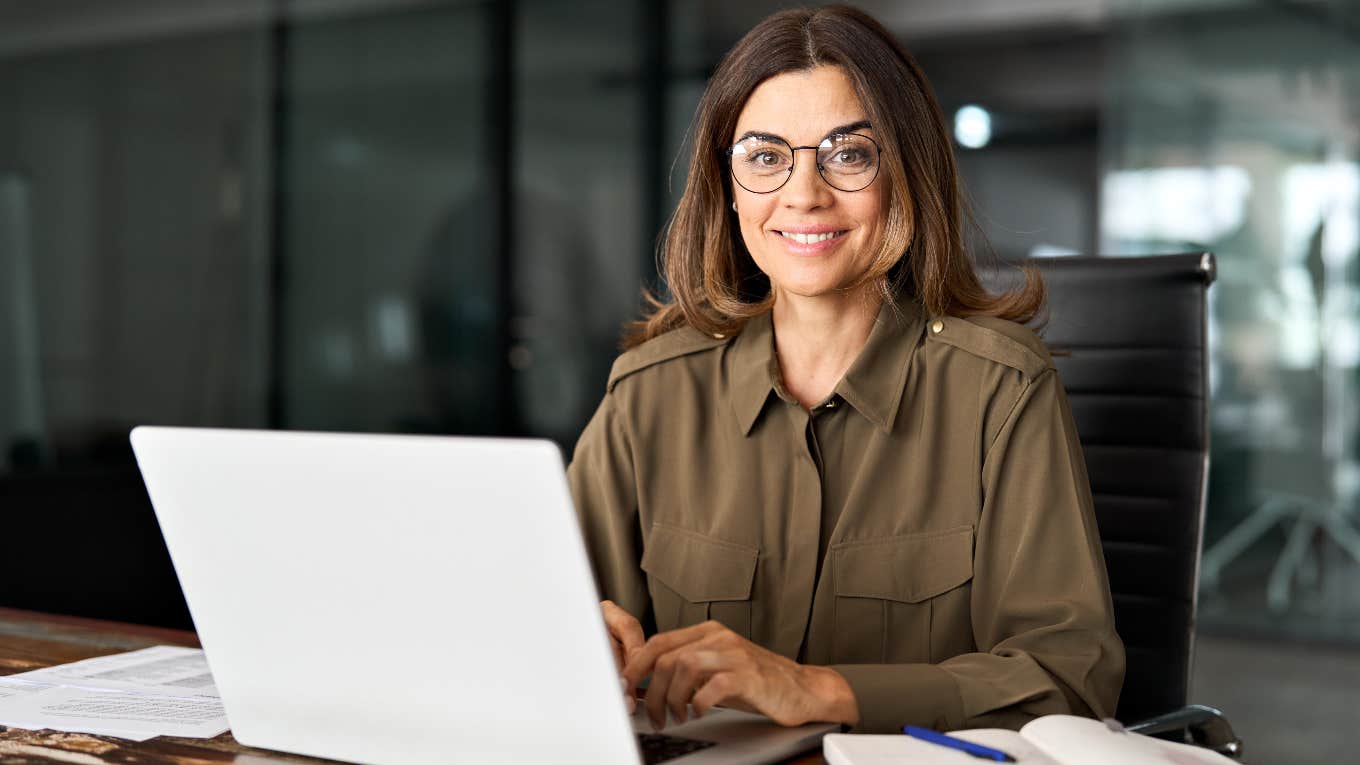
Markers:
(801, 106)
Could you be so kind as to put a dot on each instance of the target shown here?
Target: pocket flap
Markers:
(699, 568)
(908, 568)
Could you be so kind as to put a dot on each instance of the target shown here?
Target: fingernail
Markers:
(632, 702)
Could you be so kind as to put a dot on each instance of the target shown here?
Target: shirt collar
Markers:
(752, 370)
(876, 380)
(873, 385)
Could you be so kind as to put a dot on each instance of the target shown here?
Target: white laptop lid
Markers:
(390, 599)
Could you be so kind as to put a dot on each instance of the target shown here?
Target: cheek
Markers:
(872, 213)
(753, 212)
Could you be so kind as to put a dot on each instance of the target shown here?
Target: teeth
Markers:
(810, 238)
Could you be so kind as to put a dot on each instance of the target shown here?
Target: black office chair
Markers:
(1129, 342)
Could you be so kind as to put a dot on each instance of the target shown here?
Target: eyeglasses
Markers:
(762, 164)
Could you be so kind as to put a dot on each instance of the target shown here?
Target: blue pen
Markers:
(977, 750)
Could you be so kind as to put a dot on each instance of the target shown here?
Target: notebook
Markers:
(1050, 740)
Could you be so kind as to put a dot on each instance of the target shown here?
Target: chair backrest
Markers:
(1129, 336)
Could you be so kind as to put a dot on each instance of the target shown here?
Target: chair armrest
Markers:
(1201, 725)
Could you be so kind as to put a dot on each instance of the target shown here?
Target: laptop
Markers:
(407, 599)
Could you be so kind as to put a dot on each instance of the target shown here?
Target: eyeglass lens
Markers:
(761, 164)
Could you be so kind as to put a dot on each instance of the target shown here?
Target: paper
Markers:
(161, 691)
(1009, 742)
(1082, 740)
(163, 670)
(8, 689)
(1050, 740)
(862, 749)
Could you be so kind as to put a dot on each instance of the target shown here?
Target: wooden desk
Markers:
(31, 640)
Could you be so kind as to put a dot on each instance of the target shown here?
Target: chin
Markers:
(812, 281)
(812, 288)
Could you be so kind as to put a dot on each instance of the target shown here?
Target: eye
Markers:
(849, 154)
(765, 160)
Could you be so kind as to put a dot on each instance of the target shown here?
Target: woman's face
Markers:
(803, 108)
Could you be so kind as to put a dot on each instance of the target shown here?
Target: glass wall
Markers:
(134, 258)
(427, 217)
(585, 138)
(389, 222)
(135, 218)
(1235, 132)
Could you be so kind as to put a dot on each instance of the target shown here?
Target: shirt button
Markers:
(937, 326)
(831, 404)
(718, 335)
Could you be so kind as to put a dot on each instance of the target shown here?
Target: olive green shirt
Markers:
(927, 530)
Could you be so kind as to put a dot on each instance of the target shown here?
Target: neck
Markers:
(818, 338)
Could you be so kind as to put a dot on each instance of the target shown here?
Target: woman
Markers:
(836, 478)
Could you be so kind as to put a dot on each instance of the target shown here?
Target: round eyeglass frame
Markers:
(793, 164)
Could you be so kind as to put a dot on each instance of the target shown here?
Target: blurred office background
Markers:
(432, 216)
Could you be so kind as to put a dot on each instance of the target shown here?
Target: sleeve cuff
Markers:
(892, 695)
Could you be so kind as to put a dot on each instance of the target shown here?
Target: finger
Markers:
(681, 686)
(659, 687)
(628, 631)
(718, 689)
(629, 698)
(692, 668)
(641, 662)
(617, 648)
(623, 627)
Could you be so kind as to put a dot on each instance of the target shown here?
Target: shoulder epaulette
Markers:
(1004, 342)
(674, 344)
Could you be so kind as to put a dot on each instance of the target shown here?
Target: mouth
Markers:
(811, 238)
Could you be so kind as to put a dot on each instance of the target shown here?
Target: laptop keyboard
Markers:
(658, 747)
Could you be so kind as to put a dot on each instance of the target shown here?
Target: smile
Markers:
(811, 238)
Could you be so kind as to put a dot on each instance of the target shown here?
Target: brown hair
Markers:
(714, 283)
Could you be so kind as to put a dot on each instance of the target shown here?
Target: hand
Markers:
(708, 664)
(625, 637)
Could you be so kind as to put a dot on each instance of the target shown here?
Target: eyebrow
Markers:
(850, 128)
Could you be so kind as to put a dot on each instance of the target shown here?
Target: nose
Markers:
(806, 190)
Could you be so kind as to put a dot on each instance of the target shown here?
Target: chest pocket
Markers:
(693, 578)
(904, 598)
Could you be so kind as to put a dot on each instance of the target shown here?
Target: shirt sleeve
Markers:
(1043, 621)
(604, 490)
